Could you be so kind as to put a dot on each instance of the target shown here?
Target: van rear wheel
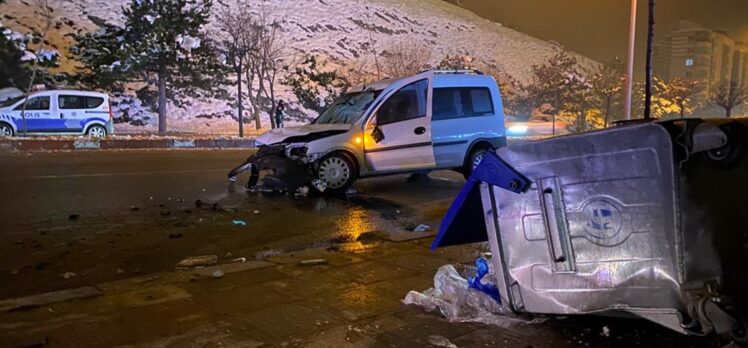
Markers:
(96, 131)
(337, 172)
(476, 156)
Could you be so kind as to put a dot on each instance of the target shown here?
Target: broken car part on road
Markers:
(643, 219)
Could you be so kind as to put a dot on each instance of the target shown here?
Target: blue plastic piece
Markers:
(464, 222)
(239, 223)
(475, 282)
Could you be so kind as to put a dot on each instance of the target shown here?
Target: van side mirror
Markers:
(377, 134)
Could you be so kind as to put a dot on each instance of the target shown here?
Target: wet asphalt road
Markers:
(107, 215)
(41, 185)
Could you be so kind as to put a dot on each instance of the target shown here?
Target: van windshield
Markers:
(348, 108)
(11, 101)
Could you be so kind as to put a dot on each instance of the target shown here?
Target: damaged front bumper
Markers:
(286, 167)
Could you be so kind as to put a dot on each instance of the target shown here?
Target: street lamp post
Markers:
(630, 67)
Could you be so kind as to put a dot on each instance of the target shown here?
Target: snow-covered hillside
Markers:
(339, 30)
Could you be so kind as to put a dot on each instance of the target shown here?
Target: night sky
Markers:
(599, 28)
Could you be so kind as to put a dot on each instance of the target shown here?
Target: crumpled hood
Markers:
(278, 135)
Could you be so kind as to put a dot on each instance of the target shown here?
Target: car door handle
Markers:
(420, 130)
(62, 116)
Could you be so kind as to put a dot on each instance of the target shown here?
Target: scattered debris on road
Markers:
(73, 217)
(195, 261)
(238, 223)
(239, 259)
(441, 341)
(606, 331)
(422, 228)
(458, 302)
(302, 191)
(320, 185)
(68, 275)
(218, 274)
(175, 235)
(134, 208)
(313, 262)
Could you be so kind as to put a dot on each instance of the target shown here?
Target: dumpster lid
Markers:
(464, 222)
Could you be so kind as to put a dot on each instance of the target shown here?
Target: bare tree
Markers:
(264, 64)
(607, 84)
(728, 95)
(238, 40)
(405, 59)
(46, 12)
(680, 92)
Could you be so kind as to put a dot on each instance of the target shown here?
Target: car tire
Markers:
(6, 130)
(473, 160)
(96, 131)
(337, 171)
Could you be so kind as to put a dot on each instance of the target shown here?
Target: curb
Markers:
(118, 144)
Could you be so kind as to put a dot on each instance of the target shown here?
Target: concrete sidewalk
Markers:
(351, 301)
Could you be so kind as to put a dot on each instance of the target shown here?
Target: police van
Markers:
(57, 112)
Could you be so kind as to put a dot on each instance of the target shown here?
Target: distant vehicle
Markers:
(433, 120)
(58, 112)
(539, 125)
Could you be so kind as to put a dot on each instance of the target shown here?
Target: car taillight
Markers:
(111, 113)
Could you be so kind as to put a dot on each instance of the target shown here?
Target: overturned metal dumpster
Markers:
(645, 219)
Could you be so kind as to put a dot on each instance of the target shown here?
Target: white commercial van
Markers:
(433, 120)
(57, 112)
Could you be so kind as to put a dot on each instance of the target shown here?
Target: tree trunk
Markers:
(607, 111)
(239, 93)
(681, 105)
(728, 112)
(553, 125)
(162, 99)
(650, 42)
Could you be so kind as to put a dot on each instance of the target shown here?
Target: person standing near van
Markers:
(279, 113)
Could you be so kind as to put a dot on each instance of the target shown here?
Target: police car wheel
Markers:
(96, 131)
(5, 130)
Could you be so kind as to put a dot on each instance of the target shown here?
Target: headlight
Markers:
(518, 129)
(296, 151)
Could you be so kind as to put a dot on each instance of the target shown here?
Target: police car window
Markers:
(93, 102)
(458, 102)
(72, 102)
(407, 103)
(35, 103)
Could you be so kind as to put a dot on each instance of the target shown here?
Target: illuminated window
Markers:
(689, 62)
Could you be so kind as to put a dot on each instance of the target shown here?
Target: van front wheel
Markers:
(337, 172)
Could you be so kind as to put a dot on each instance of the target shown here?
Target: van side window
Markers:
(93, 102)
(407, 103)
(459, 102)
(72, 102)
(35, 103)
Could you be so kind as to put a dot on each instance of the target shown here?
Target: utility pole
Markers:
(650, 41)
(630, 67)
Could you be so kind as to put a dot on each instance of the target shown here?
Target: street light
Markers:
(630, 68)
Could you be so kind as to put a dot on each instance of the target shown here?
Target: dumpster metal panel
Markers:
(597, 230)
